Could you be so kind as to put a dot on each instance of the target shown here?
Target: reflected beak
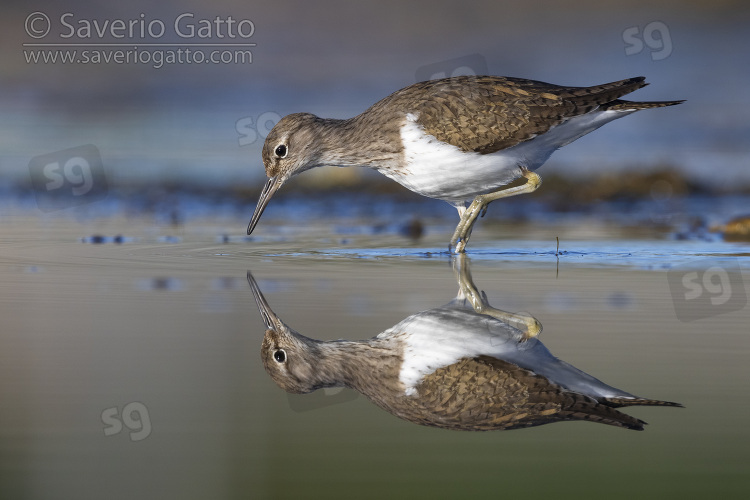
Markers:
(272, 185)
(269, 317)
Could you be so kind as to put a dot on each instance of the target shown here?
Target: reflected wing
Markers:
(486, 393)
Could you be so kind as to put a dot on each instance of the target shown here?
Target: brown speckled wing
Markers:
(486, 114)
(486, 393)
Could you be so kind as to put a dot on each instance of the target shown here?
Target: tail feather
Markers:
(620, 402)
(603, 410)
(604, 415)
(584, 99)
(607, 96)
(619, 104)
(605, 92)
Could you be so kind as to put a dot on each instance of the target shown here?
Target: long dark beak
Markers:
(272, 185)
(269, 317)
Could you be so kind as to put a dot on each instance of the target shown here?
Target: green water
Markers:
(168, 330)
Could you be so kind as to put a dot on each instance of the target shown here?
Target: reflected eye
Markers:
(281, 150)
(279, 355)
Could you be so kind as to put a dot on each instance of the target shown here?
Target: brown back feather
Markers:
(486, 114)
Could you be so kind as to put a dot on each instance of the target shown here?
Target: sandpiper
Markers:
(449, 367)
(462, 139)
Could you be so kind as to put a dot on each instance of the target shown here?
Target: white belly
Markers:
(441, 337)
(439, 170)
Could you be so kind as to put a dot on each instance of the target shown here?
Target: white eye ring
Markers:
(281, 150)
(279, 355)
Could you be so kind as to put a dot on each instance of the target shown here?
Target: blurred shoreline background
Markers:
(198, 128)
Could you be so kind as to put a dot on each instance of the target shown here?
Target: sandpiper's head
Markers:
(288, 357)
(286, 152)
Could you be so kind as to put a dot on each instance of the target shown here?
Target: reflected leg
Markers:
(526, 323)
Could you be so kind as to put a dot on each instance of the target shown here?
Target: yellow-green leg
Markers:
(479, 206)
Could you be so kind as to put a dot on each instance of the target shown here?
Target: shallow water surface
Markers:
(132, 369)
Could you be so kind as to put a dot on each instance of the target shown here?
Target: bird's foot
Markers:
(465, 225)
(457, 247)
(529, 325)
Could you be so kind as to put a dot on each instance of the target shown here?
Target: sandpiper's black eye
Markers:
(279, 355)
(280, 150)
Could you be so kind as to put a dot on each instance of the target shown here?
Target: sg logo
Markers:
(75, 171)
(715, 282)
(68, 178)
(716, 290)
(320, 399)
(140, 424)
(470, 65)
(250, 130)
(656, 37)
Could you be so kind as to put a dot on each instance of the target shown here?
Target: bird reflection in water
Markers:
(465, 366)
